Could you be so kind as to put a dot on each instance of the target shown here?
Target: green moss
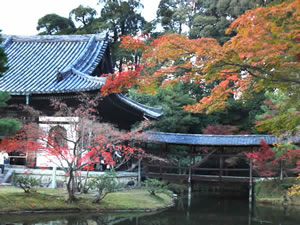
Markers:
(14, 199)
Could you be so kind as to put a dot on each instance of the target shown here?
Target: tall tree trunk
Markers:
(71, 188)
(120, 65)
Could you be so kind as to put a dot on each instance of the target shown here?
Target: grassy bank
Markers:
(275, 192)
(14, 199)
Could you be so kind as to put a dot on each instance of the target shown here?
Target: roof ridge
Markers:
(43, 62)
(7, 42)
(217, 135)
(83, 54)
(216, 139)
(46, 38)
(95, 60)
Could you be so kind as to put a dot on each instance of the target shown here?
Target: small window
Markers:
(57, 137)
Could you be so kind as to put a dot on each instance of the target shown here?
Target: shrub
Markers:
(178, 188)
(26, 183)
(104, 184)
(154, 186)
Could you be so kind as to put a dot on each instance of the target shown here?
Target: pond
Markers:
(201, 210)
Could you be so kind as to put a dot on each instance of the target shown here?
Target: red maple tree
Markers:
(266, 160)
(84, 145)
(264, 53)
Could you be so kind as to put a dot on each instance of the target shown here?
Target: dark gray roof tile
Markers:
(35, 61)
(214, 140)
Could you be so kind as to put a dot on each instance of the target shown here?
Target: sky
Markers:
(20, 17)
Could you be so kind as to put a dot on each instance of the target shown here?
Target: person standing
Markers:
(3, 157)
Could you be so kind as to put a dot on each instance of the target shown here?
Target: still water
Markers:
(202, 210)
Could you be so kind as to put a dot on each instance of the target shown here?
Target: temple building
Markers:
(62, 66)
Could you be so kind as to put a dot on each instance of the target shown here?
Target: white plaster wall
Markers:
(45, 124)
(45, 176)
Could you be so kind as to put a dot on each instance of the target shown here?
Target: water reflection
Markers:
(66, 219)
(203, 210)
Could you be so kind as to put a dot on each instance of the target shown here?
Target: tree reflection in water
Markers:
(63, 219)
(203, 210)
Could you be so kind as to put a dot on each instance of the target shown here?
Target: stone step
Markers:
(3, 176)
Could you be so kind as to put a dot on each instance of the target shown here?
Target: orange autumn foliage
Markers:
(263, 54)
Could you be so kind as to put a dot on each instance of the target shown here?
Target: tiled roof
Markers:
(49, 64)
(213, 140)
(52, 64)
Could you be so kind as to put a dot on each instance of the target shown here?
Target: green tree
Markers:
(213, 17)
(203, 18)
(279, 114)
(55, 24)
(104, 184)
(239, 113)
(26, 182)
(84, 15)
(174, 119)
(87, 19)
(262, 55)
(116, 16)
(174, 14)
(154, 186)
(3, 59)
(7, 126)
(121, 18)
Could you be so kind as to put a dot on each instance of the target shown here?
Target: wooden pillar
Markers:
(250, 183)
(281, 169)
(190, 187)
(145, 164)
(220, 167)
(53, 182)
(139, 173)
(250, 191)
(190, 166)
(160, 155)
(190, 177)
(27, 99)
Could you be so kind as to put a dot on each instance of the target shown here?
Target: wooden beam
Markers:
(201, 169)
(205, 158)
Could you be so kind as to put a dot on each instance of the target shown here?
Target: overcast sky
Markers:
(20, 17)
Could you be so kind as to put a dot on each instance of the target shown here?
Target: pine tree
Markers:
(7, 126)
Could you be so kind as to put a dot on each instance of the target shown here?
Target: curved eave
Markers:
(151, 112)
(35, 61)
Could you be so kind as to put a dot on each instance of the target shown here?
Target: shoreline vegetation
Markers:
(45, 200)
(275, 192)
(13, 200)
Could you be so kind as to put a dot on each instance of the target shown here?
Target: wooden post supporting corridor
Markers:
(251, 183)
(190, 177)
(220, 167)
(139, 173)
(281, 169)
(53, 182)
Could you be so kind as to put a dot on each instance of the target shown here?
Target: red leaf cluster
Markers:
(117, 82)
(266, 162)
(263, 160)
